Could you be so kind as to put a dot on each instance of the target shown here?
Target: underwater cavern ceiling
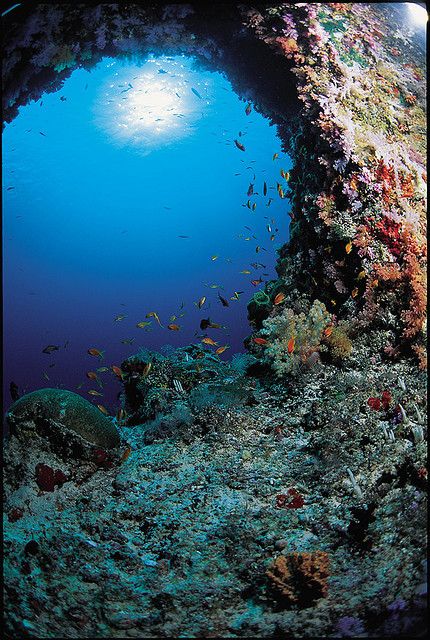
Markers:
(337, 384)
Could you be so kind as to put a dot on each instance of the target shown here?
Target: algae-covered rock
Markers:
(62, 408)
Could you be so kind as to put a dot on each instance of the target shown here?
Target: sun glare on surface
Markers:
(151, 105)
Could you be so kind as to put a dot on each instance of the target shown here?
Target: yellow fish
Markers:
(103, 409)
(361, 275)
(143, 324)
(245, 271)
(275, 155)
(214, 257)
(152, 314)
(119, 318)
(348, 247)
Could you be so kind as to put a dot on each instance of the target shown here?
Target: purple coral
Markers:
(349, 627)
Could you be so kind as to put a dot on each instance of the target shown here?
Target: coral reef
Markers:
(362, 210)
(314, 444)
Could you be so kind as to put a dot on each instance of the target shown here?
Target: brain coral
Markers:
(67, 409)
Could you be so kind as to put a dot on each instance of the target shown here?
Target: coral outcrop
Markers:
(62, 413)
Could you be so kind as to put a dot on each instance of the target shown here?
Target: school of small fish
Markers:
(207, 323)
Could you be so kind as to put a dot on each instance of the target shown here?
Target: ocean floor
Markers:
(244, 508)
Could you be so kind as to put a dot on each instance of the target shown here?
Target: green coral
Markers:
(340, 345)
(292, 338)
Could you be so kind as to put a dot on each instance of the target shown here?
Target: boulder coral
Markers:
(62, 413)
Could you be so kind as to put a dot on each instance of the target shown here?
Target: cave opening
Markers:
(154, 188)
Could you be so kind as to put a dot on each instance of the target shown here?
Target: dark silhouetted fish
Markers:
(223, 300)
(50, 348)
(13, 388)
(196, 93)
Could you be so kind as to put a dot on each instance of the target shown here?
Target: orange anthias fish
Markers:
(280, 297)
(328, 331)
(103, 409)
(348, 247)
(117, 371)
(260, 341)
(239, 145)
(96, 353)
(221, 349)
(152, 314)
(125, 454)
(92, 375)
(291, 344)
(173, 327)
(256, 282)
(354, 293)
(209, 341)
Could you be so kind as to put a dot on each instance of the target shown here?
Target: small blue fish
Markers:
(196, 93)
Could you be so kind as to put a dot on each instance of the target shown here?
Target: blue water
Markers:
(130, 159)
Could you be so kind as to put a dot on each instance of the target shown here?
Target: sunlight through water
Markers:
(151, 105)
